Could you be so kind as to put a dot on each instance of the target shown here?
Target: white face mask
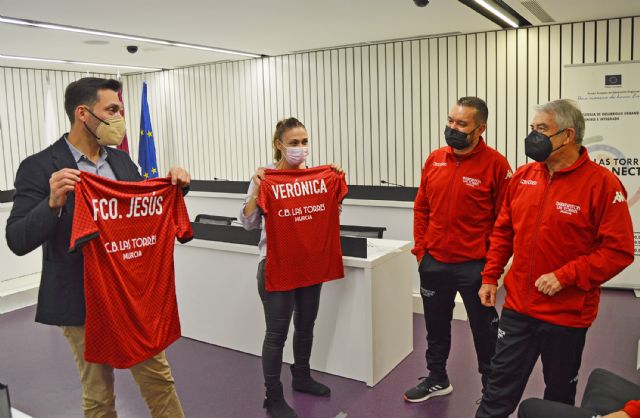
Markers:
(296, 155)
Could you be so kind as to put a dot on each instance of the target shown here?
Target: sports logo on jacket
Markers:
(470, 181)
(509, 175)
(568, 208)
(426, 292)
(528, 182)
(619, 198)
(437, 164)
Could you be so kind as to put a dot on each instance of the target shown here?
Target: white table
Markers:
(17, 414)
(19, 276)
(364, 326)
(396, 216)
(12, 265)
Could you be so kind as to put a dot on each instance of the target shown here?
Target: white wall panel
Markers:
(22, 114)
(376, 109)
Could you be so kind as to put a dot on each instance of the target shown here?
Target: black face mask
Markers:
(457, 139)
(538, 146)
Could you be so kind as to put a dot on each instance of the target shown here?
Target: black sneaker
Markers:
(428, 388)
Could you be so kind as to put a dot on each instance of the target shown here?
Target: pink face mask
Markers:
(296, 155)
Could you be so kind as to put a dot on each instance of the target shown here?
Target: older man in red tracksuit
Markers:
(566, 221)
(456, 206)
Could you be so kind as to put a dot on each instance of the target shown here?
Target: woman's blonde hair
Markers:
(281, 127)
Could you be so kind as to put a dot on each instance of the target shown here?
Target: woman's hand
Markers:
(251, 203)
(258, 177)
(337, 168)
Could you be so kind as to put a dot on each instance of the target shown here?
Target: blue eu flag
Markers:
(147, 149)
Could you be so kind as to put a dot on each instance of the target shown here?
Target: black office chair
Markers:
(6, 195)
(362, 231)
(5, 403)
(214, 219)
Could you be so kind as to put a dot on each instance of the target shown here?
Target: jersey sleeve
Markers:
(343, 189)
(84, 227)
(184, 232)
(263, 198)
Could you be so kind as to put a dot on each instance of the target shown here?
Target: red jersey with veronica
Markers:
(302, 220)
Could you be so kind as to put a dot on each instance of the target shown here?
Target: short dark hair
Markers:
(85, 92)
(482, 112)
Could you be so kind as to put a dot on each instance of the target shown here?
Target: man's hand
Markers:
(487, 294)
(179, 176)
(548, 284)
(61, 183)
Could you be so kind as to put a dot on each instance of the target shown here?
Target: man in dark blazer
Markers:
(42, 215)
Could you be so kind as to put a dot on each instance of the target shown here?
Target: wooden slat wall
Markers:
(378, 109)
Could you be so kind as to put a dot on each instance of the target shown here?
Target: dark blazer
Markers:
(32, 224)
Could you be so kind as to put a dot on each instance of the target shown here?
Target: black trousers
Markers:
(439, 283)
(521, 340)
(605, 393)
(279, 307)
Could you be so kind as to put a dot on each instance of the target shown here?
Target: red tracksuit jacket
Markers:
(575, 224)
(458, 202)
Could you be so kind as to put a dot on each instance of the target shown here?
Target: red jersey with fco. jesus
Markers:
(302, 216)
(129, 229)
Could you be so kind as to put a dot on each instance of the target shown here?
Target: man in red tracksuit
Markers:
(566, 221)
(456, 206)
